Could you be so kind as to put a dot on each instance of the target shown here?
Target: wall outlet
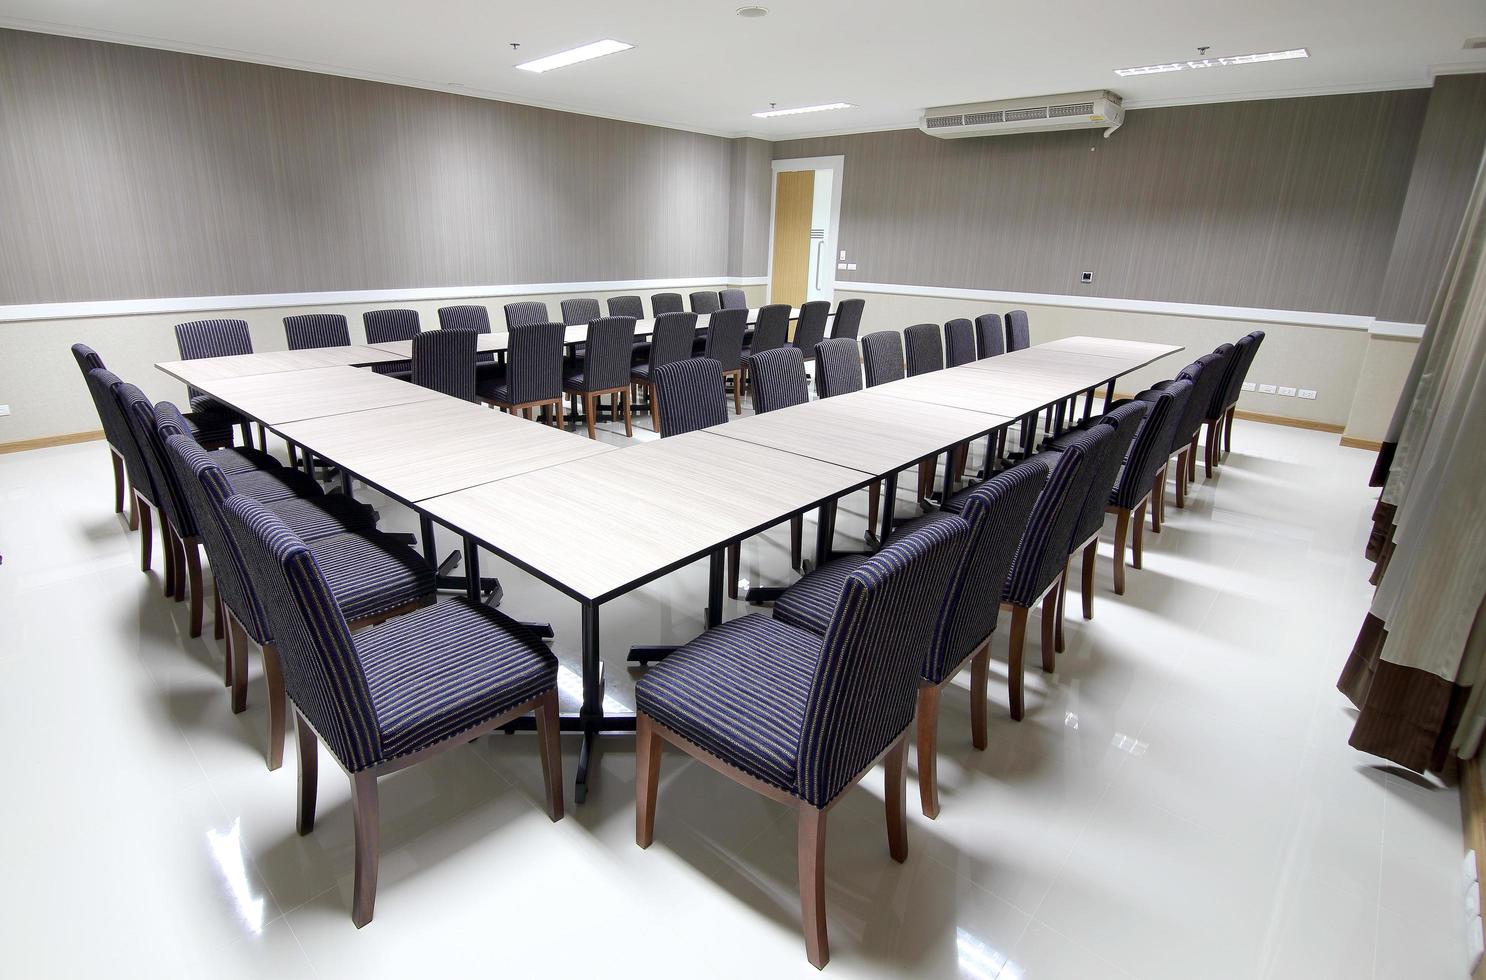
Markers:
(1287, 392)
(1250, 386)
(1085, 277)
(4, 409)
(1307, 393)
(851, 267)
(1267, 389)
(841, 265)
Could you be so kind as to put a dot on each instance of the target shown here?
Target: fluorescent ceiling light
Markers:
(804, 108)
(1238, 59)
(585, 53)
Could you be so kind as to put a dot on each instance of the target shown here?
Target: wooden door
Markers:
(794, 197)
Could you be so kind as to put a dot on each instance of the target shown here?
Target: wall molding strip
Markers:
(1391, 330)
(1302, 318)
(254, 301)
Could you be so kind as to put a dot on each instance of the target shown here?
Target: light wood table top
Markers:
(863, 430)
(201, 370)
(289, 396)
(1110, 347)
(429, 448)
(974, 390)
(600, 526)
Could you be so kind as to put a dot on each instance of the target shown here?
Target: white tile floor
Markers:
(1180, 801)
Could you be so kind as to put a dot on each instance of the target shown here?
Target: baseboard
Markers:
(45, 442)
(1369, 444)
(1287, 420)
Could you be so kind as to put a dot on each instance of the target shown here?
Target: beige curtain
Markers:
(1418, 657)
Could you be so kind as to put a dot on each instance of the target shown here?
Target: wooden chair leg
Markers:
(193, 572)
(926, 468)
(1209, 457)
(647, 779)
(1136, 552)
(734, 560)
(228, 651)
(980, 672)
(278, 705)
(812, 861)
(1014, 683)
(874, 501)
(118, 465)
(588, 410)
(629, 428)
(365, 811)
(309, 773)
(1122, 533)
(146, 535)
(240, 671)
(133, 510)
(549, 731)
(167, 551)
(1228, 430)
(737, 393)
(219, 613)
(1091, 555)
(928, 750)
(796, 537)
(1192, 458)
(1062, 601)
(1049, 627)
(895, 795)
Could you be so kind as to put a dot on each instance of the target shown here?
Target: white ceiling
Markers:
(698, 66)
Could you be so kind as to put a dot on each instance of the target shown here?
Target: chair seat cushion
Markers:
(494, 391)
(446, 668)
(371, 573)
(210, 428)
(640, 372)
(810, 602)
(281, 484)
(242, 459)
(739, 692)
(401, 370)
(323, 516)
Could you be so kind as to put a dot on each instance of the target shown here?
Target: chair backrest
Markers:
(771, 329)
(316, 330)
(473, 318)
(1227, 361)
(924, 347)
(1043, 551)
(1204, 373)
(139, 413)
(778, 379)
(1152, 445)
(213, 338)
(206, 488)
(1018, 332)
(170, 422)
(882, 357)
(689, 396)
(534, 362)
(1124, 419)
(444, 360)
(87, 358)
(725, 332)
(997, 512)
(579, 311)
(666, 303)
(864, 687)
(959, 342)
(733, 299)
(387, 326)
(810, 328)
(103, 385)
(848, 319)
(89, 361)
(607, 352)
(990, 336)
(705, 301)
(630, 306)
(316, 652)
(838, 366)
(1246, 347)
(671, 337)
(520, 314)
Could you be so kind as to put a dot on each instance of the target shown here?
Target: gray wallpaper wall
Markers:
(1285, 204)
(136, 173)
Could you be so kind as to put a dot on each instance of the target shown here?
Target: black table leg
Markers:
(346, 483)
(1108, 395)
(948, 489)
(592, 712)
(823, 535)
(1088, 403)
(471, 570)
(425, 526)
(716, 562)
(889, 506)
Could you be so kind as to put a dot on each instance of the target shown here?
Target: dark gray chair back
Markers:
(444, 360)
(576, 312)
(990, 336)
(725, 331)
(810, 328)
(924, 347)
(848, 320)
(1043, 551)
(473, 318)
(1152, 445)
(689, 396)
(389, 326)
(771, 330)
(534, 362)
(631, 306)
(733, 299)
(106, 387)
(706, 301)
(882, 357)
(838, 366)
(666, 303)
(959, 342)
(213, 338)
(1104, 468)
(1247, 346)
(778, 378)
(520, 314)
(309, 330)
(606, 355)
(1018, 332)
(89, 361)
(671, 337)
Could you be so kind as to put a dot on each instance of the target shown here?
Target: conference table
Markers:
(595, 521)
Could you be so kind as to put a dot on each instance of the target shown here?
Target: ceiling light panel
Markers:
(573, 56)
(804, 108)
(1238, 59)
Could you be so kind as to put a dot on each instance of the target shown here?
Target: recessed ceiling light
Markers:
(1238, 59)
(804, 108)
(752, 11)
(571, 57)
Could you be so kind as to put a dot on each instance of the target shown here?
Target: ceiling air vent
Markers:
(938, 122)
(1076, 109)
(981, 118)
(1073, 110)
(1022, 115)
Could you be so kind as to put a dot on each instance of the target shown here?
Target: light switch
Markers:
(841, 265)
(843, 255)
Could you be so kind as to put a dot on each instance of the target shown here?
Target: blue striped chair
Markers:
(104, 385)
(1142, 481)
(1235, 383)
(307, 330)
(1212, 417)
(522, 314)
(706, 301)
(532, 380)
(959, 342)
(1184, 439)
(1018, 332)
(662, 303)
(997, 512)
(689, 396)
(838, 367)
(769, 331)
(477, 320)
(882, 357)
(990, 336)
(576, 312)
(395, 694)
(779, 379)
(89, 361)
(444, 360)
(724, 344)
(810, 328)
(800, 717)
(733, 299)
(670, 340)
(244, 459)
(604, 369)
(924, 347)
(630, 306)
(216, 338)
(848, 321)
(390, 326)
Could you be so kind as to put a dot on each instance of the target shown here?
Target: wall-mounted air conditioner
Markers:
(1075, 110)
